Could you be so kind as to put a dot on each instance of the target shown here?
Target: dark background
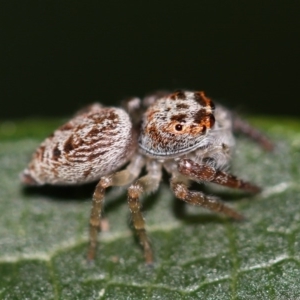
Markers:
(57, 56)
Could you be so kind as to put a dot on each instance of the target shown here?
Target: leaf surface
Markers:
(198, 255)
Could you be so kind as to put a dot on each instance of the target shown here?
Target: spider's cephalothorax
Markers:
(176, 124)
(183, 133)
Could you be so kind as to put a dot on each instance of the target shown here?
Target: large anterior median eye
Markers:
(178, 127)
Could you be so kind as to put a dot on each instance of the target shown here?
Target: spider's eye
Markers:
(178, 127)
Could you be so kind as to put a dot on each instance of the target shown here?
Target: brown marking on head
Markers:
(69, 144)
(173, 96)
(182, 106)
(151, 129)
(202, 117)
(179, 118)
(196, 129)
(178, 95)
(203, 100)
(208, 122)
(151, 113)
(56, 153)
(211, 121)
(154, 134)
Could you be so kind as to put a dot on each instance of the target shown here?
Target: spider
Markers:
(182, 132)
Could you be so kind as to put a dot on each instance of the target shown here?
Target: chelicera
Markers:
(183, 133)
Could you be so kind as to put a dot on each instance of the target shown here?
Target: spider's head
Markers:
(176, 124)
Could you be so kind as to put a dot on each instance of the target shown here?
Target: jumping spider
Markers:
(182, 132)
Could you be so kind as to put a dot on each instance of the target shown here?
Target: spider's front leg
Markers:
(121, 178)
(181, 191)
(146, 184)
(207, 173)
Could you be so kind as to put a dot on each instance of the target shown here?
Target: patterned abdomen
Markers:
(96, 142)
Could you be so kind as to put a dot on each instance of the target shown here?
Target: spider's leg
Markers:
(146, 184)
(182, 192)
(134, 107)
(203, 172)
(121, 178)
(240, 125)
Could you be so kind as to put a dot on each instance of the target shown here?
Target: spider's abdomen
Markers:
(96, 142)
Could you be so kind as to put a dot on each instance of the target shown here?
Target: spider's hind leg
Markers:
(198, 198)
(240, 125)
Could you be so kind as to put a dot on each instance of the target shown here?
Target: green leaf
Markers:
(199, 255)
